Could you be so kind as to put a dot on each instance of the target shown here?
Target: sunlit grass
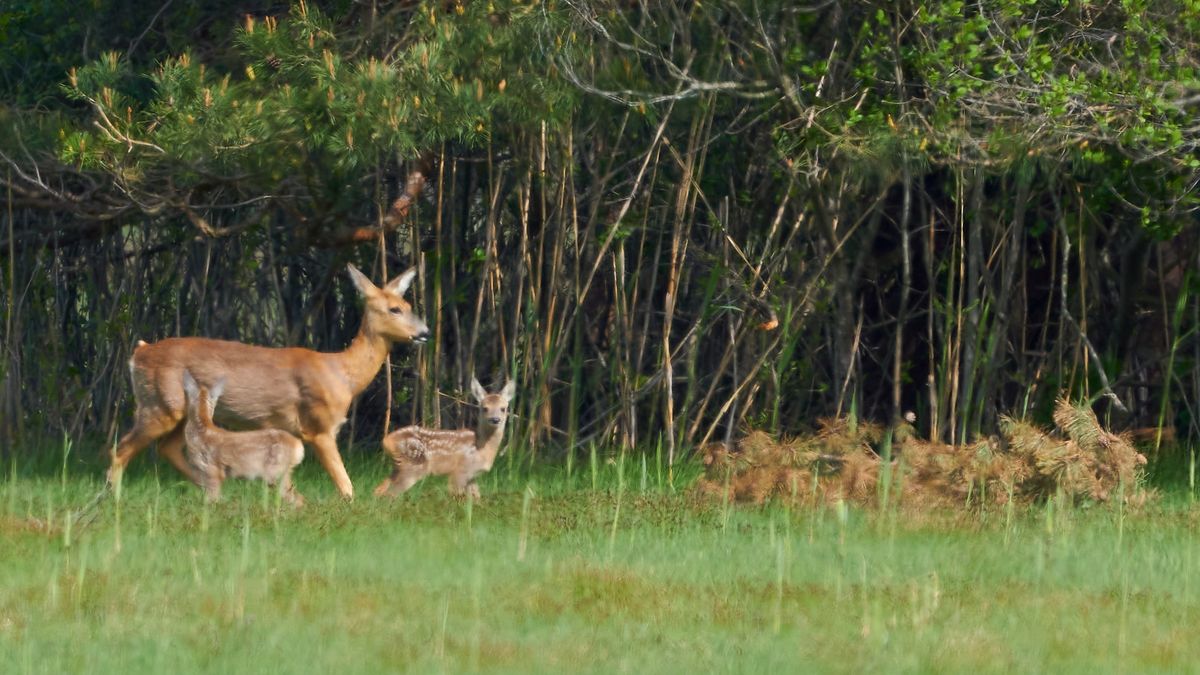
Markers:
(548, 575)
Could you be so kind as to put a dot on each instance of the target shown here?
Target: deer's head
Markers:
(494, 406)
(387, 313)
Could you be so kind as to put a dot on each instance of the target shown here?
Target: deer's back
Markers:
(261, 453)
(264, 386)
(443, 450)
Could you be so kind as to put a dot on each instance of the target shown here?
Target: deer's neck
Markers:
(362, 359)
(487, 443)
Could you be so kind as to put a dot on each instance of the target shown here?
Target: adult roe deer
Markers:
(462, 454)
(217, 454)
(301, 391)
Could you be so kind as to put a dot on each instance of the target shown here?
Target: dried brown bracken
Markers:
(843, 461)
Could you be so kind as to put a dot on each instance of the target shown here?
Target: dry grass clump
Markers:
(761, 467)
(843, 461)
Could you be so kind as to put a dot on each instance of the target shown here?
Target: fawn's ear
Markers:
(215, 391)
(189, 385)
(400, 284)
(508, 390)
(361, 282)
(477, 390)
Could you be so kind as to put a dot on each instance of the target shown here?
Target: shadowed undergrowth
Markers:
(548, 574)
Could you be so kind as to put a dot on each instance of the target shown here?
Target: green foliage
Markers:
(44, 40)
(297, 97)
(1102, 84)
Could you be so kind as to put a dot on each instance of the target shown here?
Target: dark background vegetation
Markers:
(670, 222)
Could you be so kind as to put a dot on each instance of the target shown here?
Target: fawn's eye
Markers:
(504, 409)
(396, 310)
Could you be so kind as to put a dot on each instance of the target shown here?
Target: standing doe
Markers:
(462, 455)
(217, 454)
(301, 391)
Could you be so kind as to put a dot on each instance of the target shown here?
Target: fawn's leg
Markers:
(212, 488)
(212, 478)
(463, 484)
(386, 484)
(287, 490)
(400, 481)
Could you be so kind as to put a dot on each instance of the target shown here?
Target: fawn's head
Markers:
(202, 400)
(494, 406)
(387, 313)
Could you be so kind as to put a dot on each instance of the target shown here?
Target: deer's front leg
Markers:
(327, 453)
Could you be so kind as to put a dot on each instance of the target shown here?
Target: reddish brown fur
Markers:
(301, 391)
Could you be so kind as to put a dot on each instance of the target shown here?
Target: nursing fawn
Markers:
(462, 455)
(217, 454)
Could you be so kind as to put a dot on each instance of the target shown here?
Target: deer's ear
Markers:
(508, 390)
(477, 390)
(361, 282)
(400, 284)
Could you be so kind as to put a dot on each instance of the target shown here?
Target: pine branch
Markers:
(395, 216)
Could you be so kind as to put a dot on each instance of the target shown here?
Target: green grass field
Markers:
(551, 574)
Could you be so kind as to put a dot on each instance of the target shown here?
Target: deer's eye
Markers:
(396, 310)
(504, 409)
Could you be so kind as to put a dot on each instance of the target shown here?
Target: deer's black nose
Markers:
(422, 337)
(494, 420)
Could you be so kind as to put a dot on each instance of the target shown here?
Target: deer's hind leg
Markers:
(147, 428)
